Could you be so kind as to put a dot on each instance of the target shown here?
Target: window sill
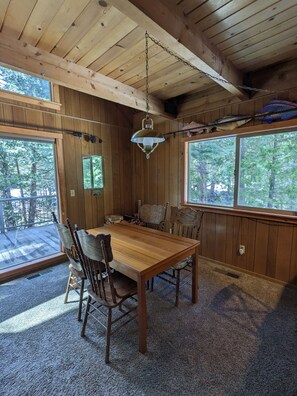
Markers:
(255, 214)
(15, 97)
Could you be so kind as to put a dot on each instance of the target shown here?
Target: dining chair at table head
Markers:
(77, 277)
(185, 222)
(107, 288)
(152, 215)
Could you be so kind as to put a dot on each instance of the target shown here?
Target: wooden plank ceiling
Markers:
(223, 40)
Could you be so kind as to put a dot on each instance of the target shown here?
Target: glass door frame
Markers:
(39, 264)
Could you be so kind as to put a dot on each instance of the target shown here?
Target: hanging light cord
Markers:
(146, 74)
(220, 79)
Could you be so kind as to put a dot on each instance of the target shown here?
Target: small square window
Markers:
(92, 172)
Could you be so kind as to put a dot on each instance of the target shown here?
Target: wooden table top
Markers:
(142, 251)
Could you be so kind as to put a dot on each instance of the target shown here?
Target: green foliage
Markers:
(267, 171)
(25, 84)
(92, 172)
(27, 169)
(211, 171)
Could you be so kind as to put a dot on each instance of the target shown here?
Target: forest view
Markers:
(267, 175)
(27, 183)
(25, 84)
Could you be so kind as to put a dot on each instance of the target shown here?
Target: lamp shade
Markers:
(147, 138)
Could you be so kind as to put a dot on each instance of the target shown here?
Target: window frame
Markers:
(39, 264)
(53, 104)
(257, 130)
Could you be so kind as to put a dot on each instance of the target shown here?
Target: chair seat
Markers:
(125, 287)
(183, 263)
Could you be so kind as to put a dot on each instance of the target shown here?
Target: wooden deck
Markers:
(17, 247)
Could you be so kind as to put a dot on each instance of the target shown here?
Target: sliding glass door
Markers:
(28, 195)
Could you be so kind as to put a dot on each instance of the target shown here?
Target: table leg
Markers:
(195, 277)
(142, 314)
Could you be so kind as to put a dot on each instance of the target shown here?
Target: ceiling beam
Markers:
(26, 57)
(163, 21)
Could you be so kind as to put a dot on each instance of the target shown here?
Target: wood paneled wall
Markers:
(85, 209)
(270, 247)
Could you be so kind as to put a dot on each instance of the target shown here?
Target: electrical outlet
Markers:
(72, 193)
(241, 249)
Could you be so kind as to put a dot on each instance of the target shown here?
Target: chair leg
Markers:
(83, 330)
(177, 287)
(81, 296)
(152, 284)
(108, 334)
(67, 288)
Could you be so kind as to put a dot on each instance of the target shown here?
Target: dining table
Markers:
(142, 253)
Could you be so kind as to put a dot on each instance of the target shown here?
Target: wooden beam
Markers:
(166, 24)
(26, 57)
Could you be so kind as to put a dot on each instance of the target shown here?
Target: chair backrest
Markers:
(97, 254)
(185, 222)
(68, 242)
(152, 215)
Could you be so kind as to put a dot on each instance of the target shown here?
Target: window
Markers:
(92, 172)
(250, 171)
(24, 84)
(211, 171)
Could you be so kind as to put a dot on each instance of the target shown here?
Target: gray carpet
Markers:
(240, 339)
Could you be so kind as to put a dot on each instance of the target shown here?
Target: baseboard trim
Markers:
(273, 280)
(31, 267)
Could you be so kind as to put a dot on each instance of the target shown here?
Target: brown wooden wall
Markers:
(115, 131)
(270, 248)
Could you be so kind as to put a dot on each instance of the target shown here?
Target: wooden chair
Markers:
(77, 277)
(107, 289)
(152, 216)
(184, 222)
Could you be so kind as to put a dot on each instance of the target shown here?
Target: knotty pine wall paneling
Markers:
(116, 149)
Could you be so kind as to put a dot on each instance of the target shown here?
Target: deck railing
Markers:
(25, 212)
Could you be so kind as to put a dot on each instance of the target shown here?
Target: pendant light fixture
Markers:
(147, 138)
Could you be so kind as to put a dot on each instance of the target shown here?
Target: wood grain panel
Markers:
(250, 245)
(229, 248)
(283, 253)
(208, 235)
(293, 264)
(236, 240)
(272, 250)
(90, 16)
(16, 16)
(257, 25)
(220, 241)
(39, 19)
(61, 22)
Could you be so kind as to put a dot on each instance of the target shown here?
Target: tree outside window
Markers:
(24, 84)
(267, 171)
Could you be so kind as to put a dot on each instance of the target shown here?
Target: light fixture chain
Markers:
(146, 74)
(157, 42)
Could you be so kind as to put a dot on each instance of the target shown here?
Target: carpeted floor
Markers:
(240, 339)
